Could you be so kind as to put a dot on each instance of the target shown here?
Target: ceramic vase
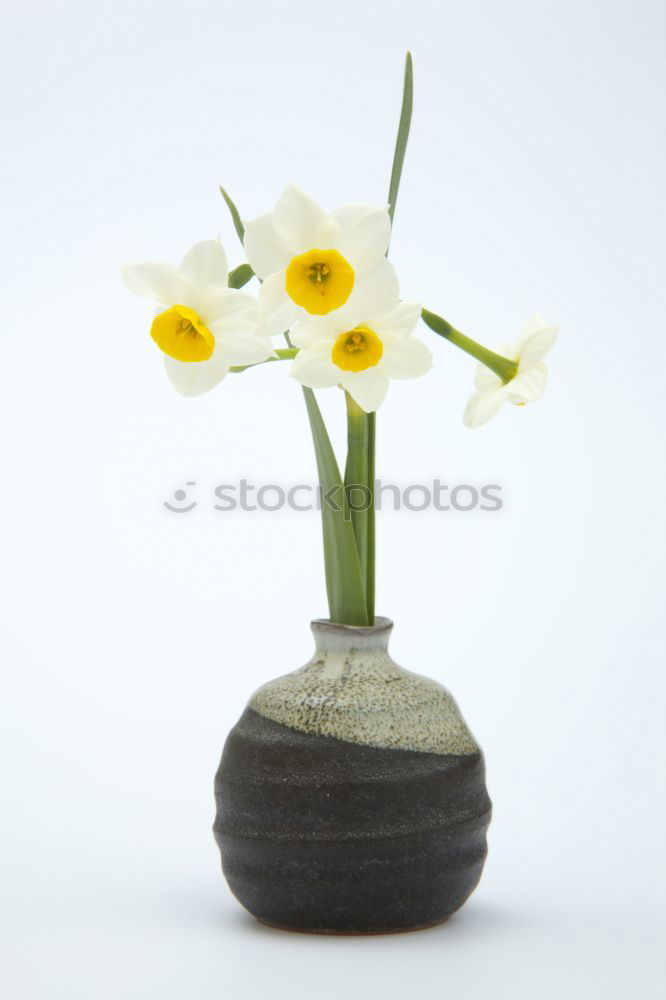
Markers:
(351, 795)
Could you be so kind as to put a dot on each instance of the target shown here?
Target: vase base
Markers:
(332, 932)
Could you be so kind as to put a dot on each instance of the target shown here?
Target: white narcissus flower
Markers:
(360, 356)
(314, 263)
(202, 326)
(526, 386)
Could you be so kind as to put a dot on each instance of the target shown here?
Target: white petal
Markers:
(533, 325)
(296, 220)
(362, 228)
(399, 322)
(535, 344)
(226, 333)
(376, 289)
(368, 388)
(238, 349)
(406, 358)
(528, 386)
(265, 251)
(226, 305)
(277, 312)
(205, 264)
(484, 405)
(486, 378)
(193, 378)
(328, 232)
(162, 282)
(310, 330)
(313, 367)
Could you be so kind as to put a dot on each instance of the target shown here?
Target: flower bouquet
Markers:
(351, 795)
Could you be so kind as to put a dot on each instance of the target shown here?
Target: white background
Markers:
(132, 637)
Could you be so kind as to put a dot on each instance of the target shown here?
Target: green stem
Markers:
(344, 579)
(283, 354)
(359, 488)
(370, 574)
(504, 367)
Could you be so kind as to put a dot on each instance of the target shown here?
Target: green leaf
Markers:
(403, 134)
(344, 582)
(240, 276)
(235, 215)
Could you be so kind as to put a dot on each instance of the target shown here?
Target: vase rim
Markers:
(326, 625)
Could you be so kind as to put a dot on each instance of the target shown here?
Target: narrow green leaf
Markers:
(235, 215)
(240, 276)
(344, 582)
(403, 134)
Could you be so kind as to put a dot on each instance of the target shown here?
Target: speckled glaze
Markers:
(358, 694)
(351, 795)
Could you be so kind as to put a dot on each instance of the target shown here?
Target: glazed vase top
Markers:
(352, 690)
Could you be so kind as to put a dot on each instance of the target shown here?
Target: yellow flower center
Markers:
(319, 280)
(181, 334)
(357, 350)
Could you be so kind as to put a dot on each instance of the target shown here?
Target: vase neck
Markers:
(332, 637)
